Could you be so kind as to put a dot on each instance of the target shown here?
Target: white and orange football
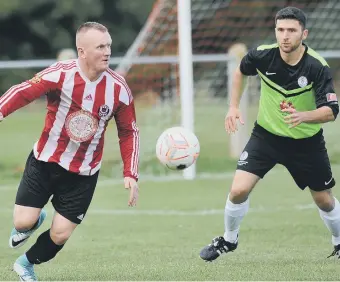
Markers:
(177, 148)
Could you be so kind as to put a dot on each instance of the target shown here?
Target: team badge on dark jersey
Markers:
(302, 81)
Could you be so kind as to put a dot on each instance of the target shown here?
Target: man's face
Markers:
(96, 49)
(289, 34)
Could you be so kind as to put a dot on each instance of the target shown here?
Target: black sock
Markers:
(43, 250)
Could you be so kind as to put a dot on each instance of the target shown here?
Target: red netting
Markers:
(217, 24)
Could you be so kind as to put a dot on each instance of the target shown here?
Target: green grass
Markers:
(282, 237)
(21, 129)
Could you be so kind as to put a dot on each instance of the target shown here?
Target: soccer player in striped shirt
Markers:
(83, 95)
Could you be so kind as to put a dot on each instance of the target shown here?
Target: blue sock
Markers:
(23, 260)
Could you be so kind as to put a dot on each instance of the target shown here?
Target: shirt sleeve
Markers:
(249, 63)
(22, 94)
(324, 90)
(128, 133)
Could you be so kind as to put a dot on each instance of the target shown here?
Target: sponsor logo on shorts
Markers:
(327, 182)
(243, 157)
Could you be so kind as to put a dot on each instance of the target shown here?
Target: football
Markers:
(177, 148)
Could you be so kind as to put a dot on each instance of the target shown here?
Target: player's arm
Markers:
(128, 134)
(22, 94)
(236, 90)
(246, 67)
(325, 99)
(321, 115)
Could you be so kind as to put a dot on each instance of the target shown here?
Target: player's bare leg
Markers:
(329, 209)
(46, 247)
(237, 206)
(26, 221)
(61, 229)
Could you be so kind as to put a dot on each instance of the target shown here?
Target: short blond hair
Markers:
(91, 25)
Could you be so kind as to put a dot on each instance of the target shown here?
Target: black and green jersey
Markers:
(306, 86)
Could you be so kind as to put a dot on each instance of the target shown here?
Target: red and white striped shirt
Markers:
(78, 112)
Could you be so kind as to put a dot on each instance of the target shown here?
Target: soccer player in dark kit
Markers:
(297, 96)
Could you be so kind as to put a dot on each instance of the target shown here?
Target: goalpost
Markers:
(180, 67)
(238, 140)
(186, 73)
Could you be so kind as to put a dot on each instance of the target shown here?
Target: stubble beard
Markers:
(291, 49)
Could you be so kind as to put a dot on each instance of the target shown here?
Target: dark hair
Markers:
(91, 25)
(292, 13)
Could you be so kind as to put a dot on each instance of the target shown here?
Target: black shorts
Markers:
(306, 159)
(72, 193)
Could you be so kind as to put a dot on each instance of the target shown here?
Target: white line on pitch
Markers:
(165, 178)
(137, 212)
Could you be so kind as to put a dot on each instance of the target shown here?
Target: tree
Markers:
(38, 29)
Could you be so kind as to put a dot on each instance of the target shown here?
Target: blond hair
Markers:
(91, 25)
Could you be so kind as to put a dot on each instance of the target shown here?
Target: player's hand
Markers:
(132, 185)
(231, 118)
(294, 118)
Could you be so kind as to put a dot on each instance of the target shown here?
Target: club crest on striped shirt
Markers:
(81, 126)
(35, 79)
(103, 110)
